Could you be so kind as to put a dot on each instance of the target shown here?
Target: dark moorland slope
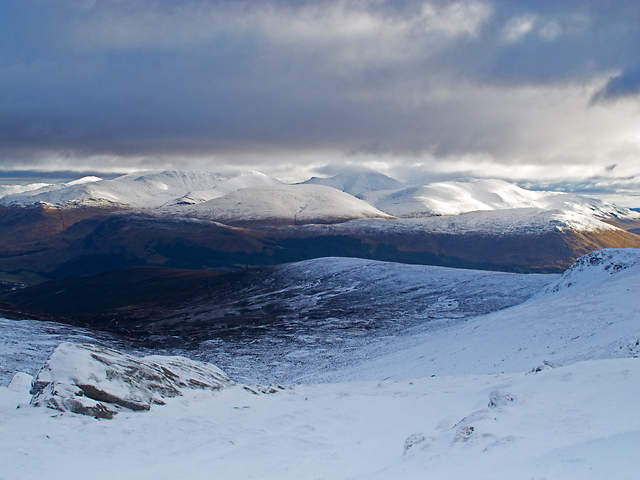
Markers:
(149, 301)
(40, 243)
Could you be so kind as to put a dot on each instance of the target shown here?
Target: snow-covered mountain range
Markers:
(547, 388)
(457, 197)
(252, 196)
(176, 219)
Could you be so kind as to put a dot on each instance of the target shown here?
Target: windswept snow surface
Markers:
(566, 406)
(289, 204)
(142, 189)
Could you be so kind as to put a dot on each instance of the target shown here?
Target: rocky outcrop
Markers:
(99, 381)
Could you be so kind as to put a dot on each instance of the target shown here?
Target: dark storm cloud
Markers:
(161, 79)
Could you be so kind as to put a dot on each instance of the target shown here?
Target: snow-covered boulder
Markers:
(99, 381)
(21, 382)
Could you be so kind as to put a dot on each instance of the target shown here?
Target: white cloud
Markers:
(410, 88)
(518, 27)
(135, 25)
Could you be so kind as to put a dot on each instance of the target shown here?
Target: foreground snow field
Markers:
(547, 389)
(581, 421)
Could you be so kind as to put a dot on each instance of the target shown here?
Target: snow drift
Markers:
(578, 422)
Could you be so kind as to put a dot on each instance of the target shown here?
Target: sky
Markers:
(544, 93)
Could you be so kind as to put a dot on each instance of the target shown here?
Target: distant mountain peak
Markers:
(88, 179)
(357, 183)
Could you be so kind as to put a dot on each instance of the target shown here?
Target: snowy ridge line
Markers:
(457, 197)
(25, 194)
(6, 190)
(595, 267)
(526, 221)
(358, 184)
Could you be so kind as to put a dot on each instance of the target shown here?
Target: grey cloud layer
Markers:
(511, 81)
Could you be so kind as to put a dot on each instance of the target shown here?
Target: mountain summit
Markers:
(357, 184)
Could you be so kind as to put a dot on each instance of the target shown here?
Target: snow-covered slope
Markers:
(224, 186)
(27, 194)
(285, 204)
(142, 189)
(336, 302)
(596, 269)
(457, 197)
(592, 312)
(580, 422)
(517, 221)
(358, 183)
(17, 189)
